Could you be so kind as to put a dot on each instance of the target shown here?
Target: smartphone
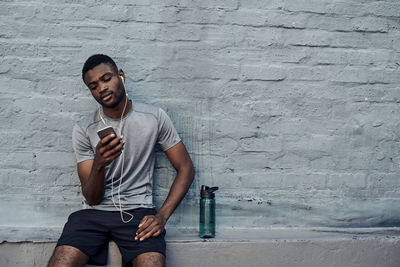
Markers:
(106, 131)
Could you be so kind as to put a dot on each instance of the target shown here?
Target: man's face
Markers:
(105, 85)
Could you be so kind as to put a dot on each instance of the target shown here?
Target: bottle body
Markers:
(207, 217)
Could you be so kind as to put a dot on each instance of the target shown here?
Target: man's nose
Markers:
(103, 87)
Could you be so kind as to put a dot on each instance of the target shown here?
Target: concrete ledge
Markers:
(363, 247)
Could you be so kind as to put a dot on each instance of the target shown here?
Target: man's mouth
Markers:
(106, 97)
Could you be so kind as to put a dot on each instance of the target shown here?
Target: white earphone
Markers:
(123, 84)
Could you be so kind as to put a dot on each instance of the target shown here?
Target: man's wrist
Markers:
(162, 217)
(97, 166)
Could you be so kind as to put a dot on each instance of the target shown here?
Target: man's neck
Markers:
(116, 112)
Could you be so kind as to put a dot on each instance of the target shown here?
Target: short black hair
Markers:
(95, 60)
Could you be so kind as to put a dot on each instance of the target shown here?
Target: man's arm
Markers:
(153, 225)
(92, 172)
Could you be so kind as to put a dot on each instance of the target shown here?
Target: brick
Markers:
(342, 56)
(55, 159)
(218, 4)
(18, 49)
(7, 85)
(306, 181)
(262, 37)
(347, 180)
(136, 31)
(59, 50)
(179, 33)
(314, 6)
(200, 16)
(18, 10)
(253, 144)
(350, 9)
(388, 9)
(268, 179)
(371, 24)
(383, 180)
(248, 17)
(223, 36)
(262, 72)
(106, 12)
(190, 70)
(287, 20)
(278, 56)
(51, 13)
(23, 160)
(291, 161)
(62, 87)
(152, 14)
(332, 22)
(260, 4)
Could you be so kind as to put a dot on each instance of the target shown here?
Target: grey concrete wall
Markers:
(290, 106)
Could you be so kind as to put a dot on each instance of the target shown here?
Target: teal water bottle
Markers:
(207, 211)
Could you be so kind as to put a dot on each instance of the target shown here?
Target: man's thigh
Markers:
(68, 256)
(149, 259)
(124, 236)
(86, 231)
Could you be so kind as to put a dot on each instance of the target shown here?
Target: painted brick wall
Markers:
(290, 106)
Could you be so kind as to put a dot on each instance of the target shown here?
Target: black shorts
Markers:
(90, 230)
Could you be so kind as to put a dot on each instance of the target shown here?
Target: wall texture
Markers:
(290, 106)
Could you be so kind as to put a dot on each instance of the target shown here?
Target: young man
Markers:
(116, 176)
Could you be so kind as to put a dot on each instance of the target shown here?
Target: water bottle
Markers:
(207, 211)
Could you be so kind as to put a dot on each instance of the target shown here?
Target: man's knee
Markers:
(67, 256)
(149, 259)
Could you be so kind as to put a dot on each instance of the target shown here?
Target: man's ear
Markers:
(121, 74)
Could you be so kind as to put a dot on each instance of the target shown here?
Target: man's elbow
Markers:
(93, 202)
(92, 199)
(189, 169)
(192, 172)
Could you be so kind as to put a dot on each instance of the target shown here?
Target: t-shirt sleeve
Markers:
(81, 144)
(167, 134)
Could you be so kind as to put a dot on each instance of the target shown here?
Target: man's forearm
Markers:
(178, 190)
(93, 189)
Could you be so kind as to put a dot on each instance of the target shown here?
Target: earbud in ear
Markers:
(123, 81)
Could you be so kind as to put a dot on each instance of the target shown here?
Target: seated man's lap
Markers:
(90, 231)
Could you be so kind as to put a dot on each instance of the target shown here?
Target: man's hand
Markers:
(108, 148)
(151, 225)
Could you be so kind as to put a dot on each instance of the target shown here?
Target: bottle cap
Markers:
(208, 192)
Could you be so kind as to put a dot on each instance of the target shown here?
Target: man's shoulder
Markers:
(88, 120)
(146, 108)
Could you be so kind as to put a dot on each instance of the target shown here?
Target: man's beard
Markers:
(118, 98)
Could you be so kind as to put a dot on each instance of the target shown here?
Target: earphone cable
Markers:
(122, 161)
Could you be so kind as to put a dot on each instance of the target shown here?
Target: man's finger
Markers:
(142, 225)
(113, 143)
(148, 234)
(107, 139)
(149, 226)
(108, 143)
(113, 156)
(143, 221)
(143, 230)
(157, 233)
(117, 149)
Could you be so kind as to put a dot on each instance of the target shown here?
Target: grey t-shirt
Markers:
(142, 128)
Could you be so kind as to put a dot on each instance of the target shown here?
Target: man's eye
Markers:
(107, 79)
(93, 88)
